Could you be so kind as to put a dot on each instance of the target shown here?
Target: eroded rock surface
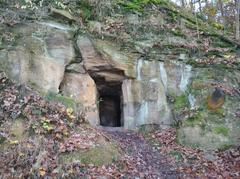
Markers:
(39, 56)
(82, 89)
(154, 70)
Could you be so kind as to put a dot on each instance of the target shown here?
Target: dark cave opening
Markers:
(110, 105)
(110, 96)
(110, 110)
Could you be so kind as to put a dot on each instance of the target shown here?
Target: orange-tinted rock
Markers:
(216, 99)
(40, 56)
(82, 89)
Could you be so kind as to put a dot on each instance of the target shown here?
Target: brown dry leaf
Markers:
(42, 171)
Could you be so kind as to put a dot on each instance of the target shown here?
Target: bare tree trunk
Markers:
(206, 3)
(197, 26)
(220, 3)
(200, 6)
(237, 19)
(195, 13)
(183, 3)
(191, 5)
(182, 23)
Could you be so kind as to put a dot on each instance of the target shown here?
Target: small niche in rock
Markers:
(110, 105)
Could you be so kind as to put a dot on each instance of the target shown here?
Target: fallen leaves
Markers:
(195, 164)
(237, 113)
(52, 129)
(70, 113)
(76, 142)
(226, 61)
(42, 172)
(13, 142)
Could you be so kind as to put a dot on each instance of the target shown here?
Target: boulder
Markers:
(213, 123)
(144, 99)
(39, 55)
(82, 89)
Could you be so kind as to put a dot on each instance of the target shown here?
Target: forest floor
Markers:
(43, 139)
(156, 154)
(147, 161)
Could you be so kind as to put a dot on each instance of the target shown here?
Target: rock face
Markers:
(213, 124)
(39, 55)
(82, 89)
(145, 103)
(147, 78)
(143, 98)
(176, 76)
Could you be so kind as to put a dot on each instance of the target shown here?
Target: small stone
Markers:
(237, 113)
(216, 99)
(182, 57)
(62, 13)
(141, 175)
(95, 27)
(210, 156)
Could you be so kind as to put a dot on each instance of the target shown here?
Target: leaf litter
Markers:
(51, 129)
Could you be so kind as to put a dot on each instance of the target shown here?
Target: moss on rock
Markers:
(203, 138)
(66, 101)
(17, 129)
(100, 155)
(196, 119)
(181, 102)
(221, 130)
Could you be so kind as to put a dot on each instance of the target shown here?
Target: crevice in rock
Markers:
(76, 65)
(61, 84)
(78, 57)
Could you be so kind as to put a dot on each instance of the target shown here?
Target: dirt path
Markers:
(149, 162)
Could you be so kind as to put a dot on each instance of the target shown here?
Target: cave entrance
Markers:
(110, 104)
(110, 97)
(110, 111)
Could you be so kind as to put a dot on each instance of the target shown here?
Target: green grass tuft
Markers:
(139, 5)
(177, 155)
(197, 119)
(181, 102)
(66, 101)
(221, 130)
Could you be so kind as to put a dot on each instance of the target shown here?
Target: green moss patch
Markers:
(66, 101)
(181, 102)
(221, 130)
(17, 129)
(177, 155)
(139, 5)
(197, 119)
(87, 9)
(98, 156)
(220, 112)
(225, 147)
